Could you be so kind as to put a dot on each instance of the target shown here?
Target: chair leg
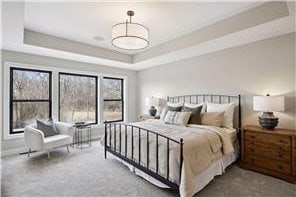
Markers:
(68, 149)
(29, 152)
(48, 154)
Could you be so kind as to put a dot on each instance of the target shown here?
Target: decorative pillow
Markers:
(163, 113)
(212, 118)
(180, 104)
(48, 129)
(51, 122)
(171, 107)
(228, 108)
(175, 108)
(195, 117)
(192, 105)
(177, 118)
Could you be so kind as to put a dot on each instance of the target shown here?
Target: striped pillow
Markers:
(177, 118)
(171, 107)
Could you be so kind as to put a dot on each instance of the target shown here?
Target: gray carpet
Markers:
(86, 173)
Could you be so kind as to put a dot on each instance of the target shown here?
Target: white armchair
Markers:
(36, 141)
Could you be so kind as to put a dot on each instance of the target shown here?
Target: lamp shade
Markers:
(152, 101)
(269, 103)
(131, 36)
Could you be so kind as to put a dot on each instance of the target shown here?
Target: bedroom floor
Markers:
(86, 173)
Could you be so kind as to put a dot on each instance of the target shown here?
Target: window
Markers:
(78, 98)
(113, 99)
(40, 92)
(30, 97)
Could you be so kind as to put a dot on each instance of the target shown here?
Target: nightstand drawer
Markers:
(268, 138)
(268, 146)
(260, 150)
(278, 166)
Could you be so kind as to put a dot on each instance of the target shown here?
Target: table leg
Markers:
(81, 139)
(87, 141)
(90, 136)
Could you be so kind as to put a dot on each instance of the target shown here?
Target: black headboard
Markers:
(215, 98)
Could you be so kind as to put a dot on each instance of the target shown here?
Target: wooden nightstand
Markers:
(146, 117)
(269, 152)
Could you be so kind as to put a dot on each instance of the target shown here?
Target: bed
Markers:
(185, 158)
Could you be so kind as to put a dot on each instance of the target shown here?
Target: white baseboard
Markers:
(16, 151)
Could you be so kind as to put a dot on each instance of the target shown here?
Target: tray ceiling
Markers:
(178, 30)
(166, 21)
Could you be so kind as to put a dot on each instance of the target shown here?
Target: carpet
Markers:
(86, 173)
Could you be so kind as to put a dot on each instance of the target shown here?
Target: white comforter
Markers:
(202, 145)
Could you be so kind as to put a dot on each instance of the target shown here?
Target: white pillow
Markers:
(191, 105)
(177, 118)
(180, 104)
(163, 113)
(227, 108)
(165, 110)
(212, 118)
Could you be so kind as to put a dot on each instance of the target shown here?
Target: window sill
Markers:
(8, 136)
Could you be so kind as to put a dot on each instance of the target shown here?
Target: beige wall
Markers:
(267, 66)
(10, 145)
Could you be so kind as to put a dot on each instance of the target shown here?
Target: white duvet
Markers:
(202, 145)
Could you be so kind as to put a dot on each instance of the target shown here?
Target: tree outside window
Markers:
(77, 98)
(30, 97)
(113, 99)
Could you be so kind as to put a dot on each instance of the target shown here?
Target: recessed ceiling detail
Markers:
(177, 30)
(166, 21)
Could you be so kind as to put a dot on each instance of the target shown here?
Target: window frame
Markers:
(11, 100)
(122, 98)
(55, 69)
(78, 75)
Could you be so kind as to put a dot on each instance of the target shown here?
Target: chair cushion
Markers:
(57, 141)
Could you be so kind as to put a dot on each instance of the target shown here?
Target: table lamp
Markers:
(268, 104)
(153, 102)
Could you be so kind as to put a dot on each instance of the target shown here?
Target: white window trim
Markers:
(55, 99)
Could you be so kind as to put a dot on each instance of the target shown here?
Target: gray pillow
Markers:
(178, 109)
(48, 129)
(195, 117)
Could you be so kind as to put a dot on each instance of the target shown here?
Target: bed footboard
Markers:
(120, 130)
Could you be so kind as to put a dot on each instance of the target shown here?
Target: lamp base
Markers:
(268, 121)
(152, 111)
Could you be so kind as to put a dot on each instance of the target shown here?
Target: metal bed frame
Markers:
(112, 128)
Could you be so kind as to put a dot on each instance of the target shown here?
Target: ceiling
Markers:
(177, 30)
(166, 21)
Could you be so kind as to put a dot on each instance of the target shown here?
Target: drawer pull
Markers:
(252, 150)
(252, 159)
(281, 141)
(252, 136)
(280, 167)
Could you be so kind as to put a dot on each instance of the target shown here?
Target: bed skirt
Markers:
(203, 178)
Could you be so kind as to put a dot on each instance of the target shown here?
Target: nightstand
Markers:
(146, 117)
(272, 152)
